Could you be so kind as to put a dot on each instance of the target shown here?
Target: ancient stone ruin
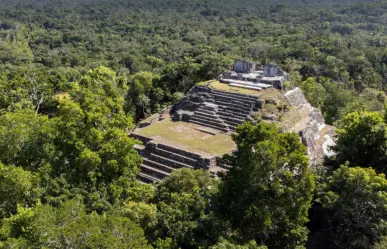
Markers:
(196, 132)
(248, 75)
(216, 109)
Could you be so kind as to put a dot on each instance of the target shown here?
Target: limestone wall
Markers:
(296, 97)
(310, 126)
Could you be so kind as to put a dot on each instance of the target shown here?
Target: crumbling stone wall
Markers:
(241, 66)
(296, 97)
(310, 127)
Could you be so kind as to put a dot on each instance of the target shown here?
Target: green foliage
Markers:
(224, 244)
(70, 226)
(354, 202)
(140, 87)
(267, 193)
(18, 188)
(14, 46)
(184, 201)
(362, 139)
(26, 139)
(381, 244)
(65, 116)
(94, 141)
(314, 92)
(141, 213)
(84, 149)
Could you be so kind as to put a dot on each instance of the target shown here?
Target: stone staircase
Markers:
(160, 160)
(224, 111)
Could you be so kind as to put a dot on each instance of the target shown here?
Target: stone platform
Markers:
(196, 132)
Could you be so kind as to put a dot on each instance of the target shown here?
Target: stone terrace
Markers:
(216, 109)
(171, 145)
(196, 135)
(196, 132)
(159, 160)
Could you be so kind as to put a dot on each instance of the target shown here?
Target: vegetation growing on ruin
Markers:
(192, 137)
(76, 76)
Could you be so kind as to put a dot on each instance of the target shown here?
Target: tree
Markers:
(93, 150)
(140, 87)
(224, 244)
(267, 193)
(314, 92)
(213, 65)
(381, 244)
(362, 140)
(17, 188)
(70, 226)
(183, 201)
(354, 206)
(26, 139)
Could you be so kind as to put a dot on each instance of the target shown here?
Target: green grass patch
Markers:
(215, 84)
(186, 136)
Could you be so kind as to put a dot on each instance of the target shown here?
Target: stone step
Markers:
(232, 109)
(146, 178)
(200, 109)
(246, 86)
(179, 151)
(206, 118)
(157, 165)
(176, 157)
(233, 119)
(230, 123)
(230, 98)
(247, 83)
(223, 97)
(205, 114)
(225, 166)
(235, 115)
(156, 173)
(233, 105)
(139, 137)
(210, 126)
(236, 95)
(167, 161)
(232, 126)
(222, 101)
(216, 123)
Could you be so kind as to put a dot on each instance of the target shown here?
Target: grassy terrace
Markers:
(225, 87)
(267, 93)
(189, 137)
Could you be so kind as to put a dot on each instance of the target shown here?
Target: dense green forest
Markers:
(76, 76)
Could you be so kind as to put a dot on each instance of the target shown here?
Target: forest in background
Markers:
(76, 77)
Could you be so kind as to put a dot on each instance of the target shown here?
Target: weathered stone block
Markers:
(296, 97)
(269, 116)
(259, 104)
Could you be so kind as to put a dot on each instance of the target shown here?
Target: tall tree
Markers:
(69, 226)
(18, 188)
(362, 140)
(93, 149)
(354, 208)
(267, 193)
(184, 206)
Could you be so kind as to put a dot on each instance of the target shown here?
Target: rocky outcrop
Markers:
(311, 127)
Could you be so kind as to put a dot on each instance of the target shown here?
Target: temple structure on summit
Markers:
(247, 75)
(196, 132)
